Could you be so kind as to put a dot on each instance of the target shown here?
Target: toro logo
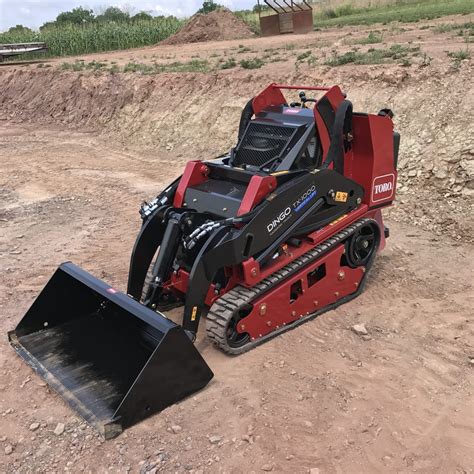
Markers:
(383, 187)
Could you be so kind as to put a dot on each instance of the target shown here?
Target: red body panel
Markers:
(195, 172)
(277, 308)
(373, 160)
(258, 188)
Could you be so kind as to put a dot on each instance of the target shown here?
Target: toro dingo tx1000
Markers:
(282, 228)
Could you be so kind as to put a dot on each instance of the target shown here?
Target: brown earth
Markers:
(80, 151)
(218, 25)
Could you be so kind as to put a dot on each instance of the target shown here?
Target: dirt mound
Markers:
(218, 25)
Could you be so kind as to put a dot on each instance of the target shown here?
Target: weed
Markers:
(255, 63)
(460, 55)
(400, 10)
(289, 46)
(312, 61)
(442, 28)
(303, 56)
(229, 64)
(372, 38)
(372, 56)
(243, 49)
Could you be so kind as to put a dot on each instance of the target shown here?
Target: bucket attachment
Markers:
(113, 360)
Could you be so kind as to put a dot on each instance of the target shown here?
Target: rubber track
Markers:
(224, 308)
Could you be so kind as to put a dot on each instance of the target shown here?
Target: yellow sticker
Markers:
(341, 197)
(193, 314)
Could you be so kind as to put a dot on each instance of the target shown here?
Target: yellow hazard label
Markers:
(193, 314)
(341, 197)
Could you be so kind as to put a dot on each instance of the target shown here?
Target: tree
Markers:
(113, 14)
(20, 29)
(209, 6)
(141, 16)
(77, 16)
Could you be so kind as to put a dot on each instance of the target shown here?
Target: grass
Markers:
(303, 56)
(399, 11)
(70, 40)
(460, 55)
(373, 56)
(195, 65)
(229, 64)
(464, 29)
(402, 11)
(372, 38)
(243, 49)
(255, 63)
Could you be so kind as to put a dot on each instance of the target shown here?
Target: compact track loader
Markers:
(281, 229)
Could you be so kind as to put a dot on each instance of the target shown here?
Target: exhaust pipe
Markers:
(113, 360)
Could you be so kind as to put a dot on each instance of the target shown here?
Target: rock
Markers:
(471, 362)
(314, 470)
(308, 424)
(176, 429)
(214, 439)
(360, 329)
(34, 426)
(267, 467)
(293, 372)
(59, 430)
(8, 449)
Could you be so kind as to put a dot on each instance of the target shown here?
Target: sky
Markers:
(33, 13)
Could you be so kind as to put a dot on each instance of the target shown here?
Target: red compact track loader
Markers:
(281, 229)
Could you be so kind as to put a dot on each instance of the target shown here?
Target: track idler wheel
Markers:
(234, 338)
(361, 246)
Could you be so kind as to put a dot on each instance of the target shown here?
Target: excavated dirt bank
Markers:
(436, 165)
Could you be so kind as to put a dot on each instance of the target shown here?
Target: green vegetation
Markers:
(303, 56)
(372, 38)
(400, 10)
(464, 29)
(229, 64)
(460, 55)
(373, 56)
(195, 65)
(79, 32)
(209, 6)
(243, 49)
(255, 63)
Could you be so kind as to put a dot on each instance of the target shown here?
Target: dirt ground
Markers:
(79, 152)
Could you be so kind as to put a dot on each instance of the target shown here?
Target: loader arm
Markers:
(288, 212)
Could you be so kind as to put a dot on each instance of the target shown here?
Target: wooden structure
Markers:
(290, 17)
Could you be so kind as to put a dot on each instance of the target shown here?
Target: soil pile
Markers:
(218, 25)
